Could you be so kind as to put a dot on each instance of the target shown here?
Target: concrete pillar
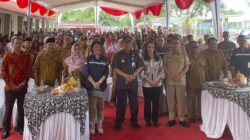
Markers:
(47, 26)
(37, 24)
(31, 25)
(14, 23)
(6, 28)
(43, 24)
(20, 24)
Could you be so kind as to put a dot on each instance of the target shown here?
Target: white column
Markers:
(167, 13)
(132, 21)
(96, 15)
(28, 17)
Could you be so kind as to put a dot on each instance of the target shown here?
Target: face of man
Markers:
(194, 48)
(50, 47)
(226, 36)
(212, 44)
(175, 44)
(66, 41)
(35, 37)
(160, 41)
(127, 46)
(17, 45)
(242, 42)
(27, 46)
(206, 37)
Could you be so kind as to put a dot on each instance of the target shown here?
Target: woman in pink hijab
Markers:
(73, 65)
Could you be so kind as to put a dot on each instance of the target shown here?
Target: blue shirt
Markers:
(96, 68)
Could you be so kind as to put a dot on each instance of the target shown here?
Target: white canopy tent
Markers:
(124, 5)
(129, 6)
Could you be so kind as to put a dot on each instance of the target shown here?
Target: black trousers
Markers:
(121, 105)
(151, 103)
(10, 97)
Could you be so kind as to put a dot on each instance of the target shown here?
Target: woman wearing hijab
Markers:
(74, 63)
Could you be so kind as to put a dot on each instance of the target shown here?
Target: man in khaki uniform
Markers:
(176, 65)
(48, 65)
(216, 62)
(66, 50)
(195, 77)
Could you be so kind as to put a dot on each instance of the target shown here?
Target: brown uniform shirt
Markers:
(196, 74)
(47, 67)
(64, 53)
(175, 63)
(216, 63)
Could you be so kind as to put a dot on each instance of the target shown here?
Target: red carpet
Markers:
(151, 133)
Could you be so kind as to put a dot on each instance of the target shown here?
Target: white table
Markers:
(217, 113)
(60, 126)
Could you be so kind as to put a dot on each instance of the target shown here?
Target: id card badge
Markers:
(248, 65)
(133, 64)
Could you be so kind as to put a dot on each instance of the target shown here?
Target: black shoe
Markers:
(136, 126)
(184, 124)
(118, 127)
(155, 124)
(191, 120)
(5, 134)
(171, 123)
(20, 131)
(147, 124)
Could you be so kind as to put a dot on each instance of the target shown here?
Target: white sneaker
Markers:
(99, 128)
(92, 128)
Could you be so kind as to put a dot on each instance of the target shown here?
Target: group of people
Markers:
(169, 68)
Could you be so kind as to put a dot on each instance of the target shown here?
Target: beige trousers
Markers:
(96, 111)
(178, 92)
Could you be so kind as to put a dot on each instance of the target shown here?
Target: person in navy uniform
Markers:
(127, 65)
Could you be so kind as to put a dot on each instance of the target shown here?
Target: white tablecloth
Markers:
(217, 113)
(60, 126)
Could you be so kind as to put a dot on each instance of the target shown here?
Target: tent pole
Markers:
(28, 17)
(215, 6)
(167, 13)
(145, 19)
(132, 20)
(47, 21)
(96, 18)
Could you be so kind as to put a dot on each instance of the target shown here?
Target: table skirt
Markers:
(60, 126)
(217, 113)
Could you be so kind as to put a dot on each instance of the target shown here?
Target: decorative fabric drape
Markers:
(155, 9)
(184, 4)
(114, 12)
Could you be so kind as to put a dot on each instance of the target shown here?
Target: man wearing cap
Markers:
(196, 75)
(127, 64)
(16, 71)
(27, 47)
(48, 65)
